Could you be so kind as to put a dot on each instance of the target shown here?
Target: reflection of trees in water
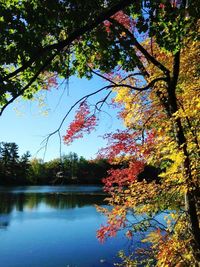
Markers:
(10, 202)
(69, 201)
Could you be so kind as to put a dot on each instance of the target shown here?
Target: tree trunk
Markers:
(191, 195)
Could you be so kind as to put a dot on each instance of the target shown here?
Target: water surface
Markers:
(55, 226)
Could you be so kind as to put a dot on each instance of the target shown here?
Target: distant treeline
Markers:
(69, 169)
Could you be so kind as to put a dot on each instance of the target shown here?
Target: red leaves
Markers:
(123, 19)
(129, 154)
(111, 229)
(120, 17)
(129, 234)
(161, 5)
(121, 142)
(174, 4)
(83, 123)
(107, 25)
(123, 177)
(50, 81)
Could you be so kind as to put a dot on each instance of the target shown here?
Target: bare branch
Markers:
(102, 102)
(140, 89)
(132, 75)
(102, 76)
(84, 98)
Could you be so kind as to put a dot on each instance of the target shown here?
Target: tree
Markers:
(36, 37)
(24, 166)
(92, 171)
(154, 136)
(37, 174)
(13, 168)
(41, 41)
(70, 164)
(9, 158)
(143, 48)
(52, 167)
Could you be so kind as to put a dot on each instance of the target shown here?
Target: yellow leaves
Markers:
(153, 237)
(174, 252)
(177, 158)
(133, 110)
(190, 107)
(171, 251)
(118, 211)
(101, 209)
(129, 119)
(170, 246)
(123, 93)
(141, 196)
(174, 216)
(143, 112)
(123, 34)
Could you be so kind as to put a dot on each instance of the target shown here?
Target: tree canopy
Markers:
(41, 41)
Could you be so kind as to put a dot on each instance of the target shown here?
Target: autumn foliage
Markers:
(83, 122)
(150, 138)
(155, 82)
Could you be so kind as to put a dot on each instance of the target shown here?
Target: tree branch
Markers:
(102, 101)
(73, 36)
(141, 48)
(140, 89)
(84, 98)
(102, 76)
(32, 80)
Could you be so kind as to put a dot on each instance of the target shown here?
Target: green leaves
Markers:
(33, 36)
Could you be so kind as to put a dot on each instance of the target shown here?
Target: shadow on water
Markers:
(10, 202)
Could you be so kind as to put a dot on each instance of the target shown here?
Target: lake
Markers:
(54, 226)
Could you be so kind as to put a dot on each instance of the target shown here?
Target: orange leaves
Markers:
(116, 221)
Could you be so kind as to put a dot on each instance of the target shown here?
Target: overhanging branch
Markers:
(134, 41)
(73, 36)
(32, 80)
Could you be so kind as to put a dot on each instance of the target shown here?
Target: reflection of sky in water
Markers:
(45, 212)
(53, 230)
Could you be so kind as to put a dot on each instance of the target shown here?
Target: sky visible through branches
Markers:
(27, 125)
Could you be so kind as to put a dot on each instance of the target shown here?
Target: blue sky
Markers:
(26, 124)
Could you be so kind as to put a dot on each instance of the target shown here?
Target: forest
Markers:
(147, 53)
(18, 170)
